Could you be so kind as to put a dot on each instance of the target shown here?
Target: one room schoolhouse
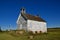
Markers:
(32, 23)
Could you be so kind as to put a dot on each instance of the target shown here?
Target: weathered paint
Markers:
(36, 26)
(21, 23)
(31, 25)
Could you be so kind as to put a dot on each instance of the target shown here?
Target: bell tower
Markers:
(23, 10)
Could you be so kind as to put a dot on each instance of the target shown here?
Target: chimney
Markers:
(37, 15)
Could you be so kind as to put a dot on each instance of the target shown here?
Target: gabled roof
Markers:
(31, 17)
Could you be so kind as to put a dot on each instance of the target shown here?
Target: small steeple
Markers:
(23, 10)
(38, 15)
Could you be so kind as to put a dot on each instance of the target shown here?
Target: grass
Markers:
(53, 34)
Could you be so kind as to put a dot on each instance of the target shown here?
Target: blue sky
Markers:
(49, 10)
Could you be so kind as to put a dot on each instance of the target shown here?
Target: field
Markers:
(53, 34)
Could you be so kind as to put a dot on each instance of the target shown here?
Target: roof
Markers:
(31, 17)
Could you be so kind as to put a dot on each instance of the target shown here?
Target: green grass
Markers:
(53, 34)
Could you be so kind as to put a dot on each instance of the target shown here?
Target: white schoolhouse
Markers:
(32, 23)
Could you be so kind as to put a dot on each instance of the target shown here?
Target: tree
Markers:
(0, 29)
